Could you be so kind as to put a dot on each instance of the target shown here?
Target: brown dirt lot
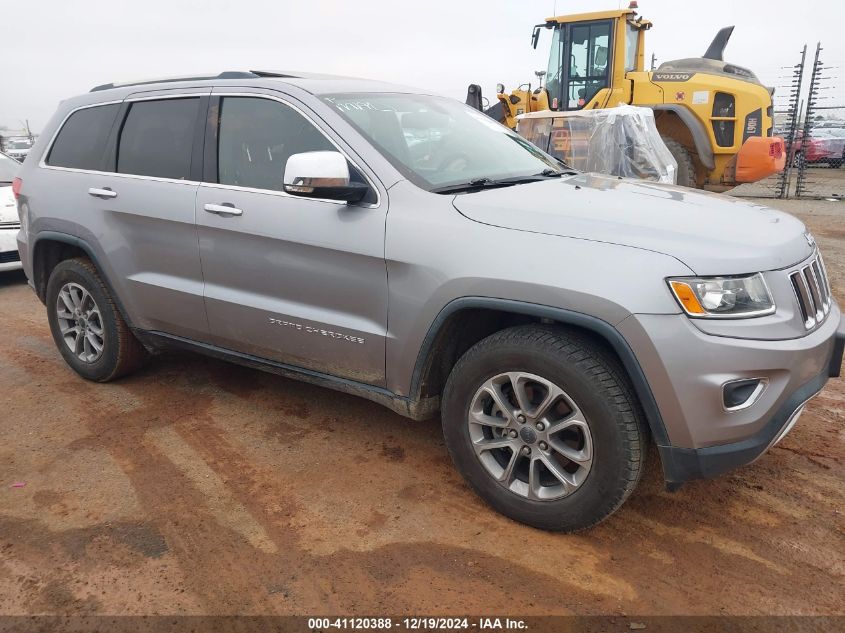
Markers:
(198, 487)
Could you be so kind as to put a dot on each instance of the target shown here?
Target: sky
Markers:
(55, 49)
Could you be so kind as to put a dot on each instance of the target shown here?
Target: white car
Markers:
(9, 222)
(18, 149)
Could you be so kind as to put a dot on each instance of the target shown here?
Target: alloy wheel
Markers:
(530, 436)
(80, 322)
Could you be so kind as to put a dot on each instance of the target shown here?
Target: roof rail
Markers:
(229, 74)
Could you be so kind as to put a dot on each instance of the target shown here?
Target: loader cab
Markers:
(589, 56)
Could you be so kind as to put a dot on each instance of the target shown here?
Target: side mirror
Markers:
(535, 36)
(322, 175)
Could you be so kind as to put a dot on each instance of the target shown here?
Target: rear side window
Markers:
(82, 139)
(157, 138)
(256, 138)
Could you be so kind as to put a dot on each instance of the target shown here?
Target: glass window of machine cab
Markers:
(579, 63)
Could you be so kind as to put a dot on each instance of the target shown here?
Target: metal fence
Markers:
(810, 116)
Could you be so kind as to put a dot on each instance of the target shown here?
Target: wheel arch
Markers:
(697, 131)
(49, 248)
(482, 316)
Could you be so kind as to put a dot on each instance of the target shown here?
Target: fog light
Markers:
(741, 394)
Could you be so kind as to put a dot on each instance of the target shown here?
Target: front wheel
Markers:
(685, 175)
(544, 426)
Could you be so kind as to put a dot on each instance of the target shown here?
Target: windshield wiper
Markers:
(473, 185)
(485, 183)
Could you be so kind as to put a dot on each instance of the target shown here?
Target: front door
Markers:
(579, 63)
(295, 280)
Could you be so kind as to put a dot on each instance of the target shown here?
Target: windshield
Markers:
(8, 169)
(437, 142)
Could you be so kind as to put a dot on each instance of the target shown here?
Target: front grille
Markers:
(812, 289)
(9, 256)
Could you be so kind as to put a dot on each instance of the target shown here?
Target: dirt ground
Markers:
(199, 487)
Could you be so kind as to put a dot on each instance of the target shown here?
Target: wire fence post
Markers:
(793, 115)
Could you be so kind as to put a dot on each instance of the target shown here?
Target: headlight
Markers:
(723, 297)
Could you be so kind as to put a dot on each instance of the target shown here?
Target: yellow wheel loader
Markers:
(715, 117)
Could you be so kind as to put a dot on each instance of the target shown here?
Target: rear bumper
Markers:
(683, 464)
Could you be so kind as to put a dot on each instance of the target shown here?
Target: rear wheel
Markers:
(543, 425)
(682, 156)
(86, 325)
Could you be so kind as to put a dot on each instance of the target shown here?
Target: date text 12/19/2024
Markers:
(416, 624)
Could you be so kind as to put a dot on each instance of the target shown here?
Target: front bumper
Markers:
(687, 368)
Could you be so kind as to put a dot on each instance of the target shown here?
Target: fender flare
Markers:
(561, 315)
(696, 128)
(72, 240)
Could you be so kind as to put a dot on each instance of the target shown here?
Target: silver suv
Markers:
(407, 249)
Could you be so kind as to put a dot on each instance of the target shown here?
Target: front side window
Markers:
(157, 138)
(437, 142)
(255, 139)
(82, 140)
(588, 63)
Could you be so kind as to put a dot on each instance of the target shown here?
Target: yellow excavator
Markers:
(715, 117)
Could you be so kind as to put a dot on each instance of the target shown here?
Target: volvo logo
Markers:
(810, 239)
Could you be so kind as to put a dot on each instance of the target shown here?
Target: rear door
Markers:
(148, 202)
(300, 281)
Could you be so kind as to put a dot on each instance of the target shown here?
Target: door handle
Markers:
(225, 209)
(105, 192)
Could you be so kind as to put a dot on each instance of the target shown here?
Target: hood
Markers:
(8, 208)
(712, 234)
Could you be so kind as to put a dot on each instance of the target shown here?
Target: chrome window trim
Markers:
(319, 128)
(42, 164)
(214, 185)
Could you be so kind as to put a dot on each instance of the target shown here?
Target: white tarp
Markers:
(621, 141)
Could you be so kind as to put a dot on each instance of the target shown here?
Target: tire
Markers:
(682, 156)
(797, 160)
(76, 291)
(591, 381)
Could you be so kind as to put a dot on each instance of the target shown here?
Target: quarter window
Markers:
(82, 140)
(157, 138)
(255, 139)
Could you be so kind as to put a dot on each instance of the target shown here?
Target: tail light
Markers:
(776, 149)
(16, 187)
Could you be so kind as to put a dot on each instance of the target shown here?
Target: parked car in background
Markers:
(559, 321)
(824, 146)
(9, 222)
(18, 149)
